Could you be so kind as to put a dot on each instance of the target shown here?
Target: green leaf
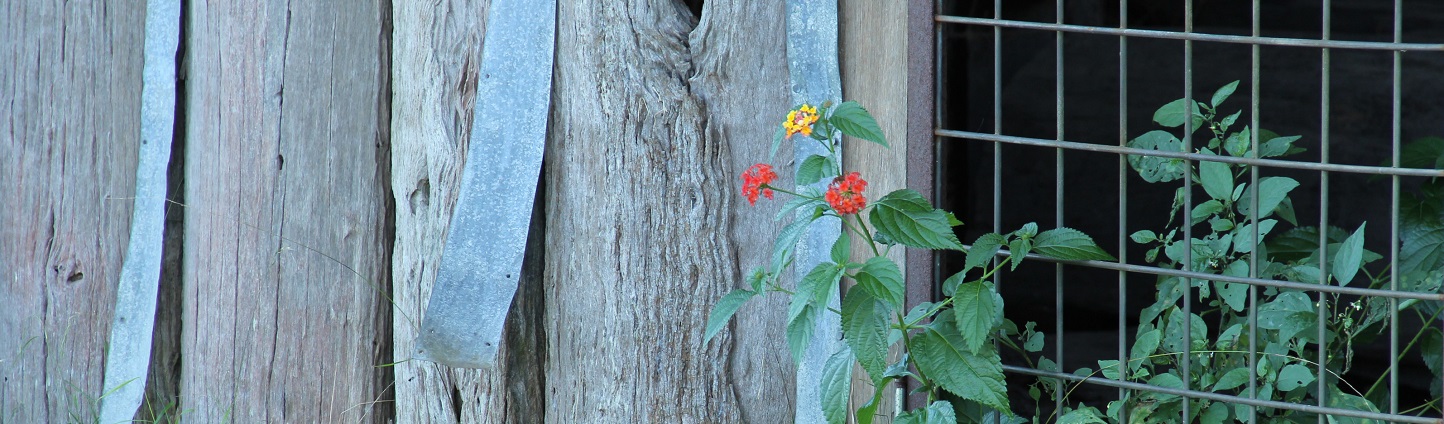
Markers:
(1203, 211)
(836, 388)
(939, 412)
(1244, 241)
(1350, 256)
(1018, 248)
(1034, 342)
(1237, 143)
(1271, 145)
(794, 204)
(974, 308)
(1292, 314)
(1293, 376)
(813, 169)
(1217, 179)
(1143, 347)
(1274, 190)
(1215, 413)
(777, 137)
(1227, 122)
(1085, 415)
(938, 353)
(1172, 114)
(1421, 231)
(854, 121)
(1143, 236)
(1157, 169)
(1232, 379)
(842, 248)
(799, 331)
(1223, 93)
(786, 242)
(865, 322)
(881, 278)
(983, 251)
(1070, 244)
(724, 309)
(907, 218)
(1426, 153)
(1235, 295)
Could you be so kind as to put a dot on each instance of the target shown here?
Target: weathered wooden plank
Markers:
(637, 222)
(69, 131)
(285, 318)
(873, 40)
(437, 54)
(742, 77)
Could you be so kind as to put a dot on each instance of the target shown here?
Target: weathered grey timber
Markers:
(285, 231)
(812, 63)
(872, 37)
(128, 359)
(637, 219)
(481, 262)
(69, 132)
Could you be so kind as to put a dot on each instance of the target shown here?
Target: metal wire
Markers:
(1193, 36)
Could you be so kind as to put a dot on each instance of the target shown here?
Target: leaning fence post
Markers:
(481, 261)
(815, 78)
(128, 359)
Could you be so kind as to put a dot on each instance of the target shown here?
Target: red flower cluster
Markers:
(845, 194)
(755, 181)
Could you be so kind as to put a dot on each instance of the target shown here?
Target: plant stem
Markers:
(908, 345)
(786, 191)
(1426, 324)
(868, 235)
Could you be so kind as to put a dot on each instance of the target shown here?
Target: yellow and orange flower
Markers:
(800, 120)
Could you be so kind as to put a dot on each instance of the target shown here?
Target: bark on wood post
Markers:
(69, 131)
(285, 248)
(638, 195)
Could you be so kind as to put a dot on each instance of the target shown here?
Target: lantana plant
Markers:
(948, 346)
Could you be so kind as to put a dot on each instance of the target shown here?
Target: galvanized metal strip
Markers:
(813, 69)
(481, 264)
(128, 360)
(1193, 36)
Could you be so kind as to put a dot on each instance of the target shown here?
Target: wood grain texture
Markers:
(873, 38)
(437, 55)
(638, 201)
(284, 310)
(741, 78)
(69, 132)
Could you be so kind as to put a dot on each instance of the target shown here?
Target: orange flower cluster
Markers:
(755, 181)
(800, 120)
(845, 194)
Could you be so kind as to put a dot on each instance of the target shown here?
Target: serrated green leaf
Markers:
(951, 284)
(976, 377)
(1274, 190)
(777, 137)
(1018, 250)
(983, 251)
(1293, 376)
(1070, 244)
(836, 388)
(1217, 179)
(974, 309)
(795, 204)
(1223, 93)
(1157, 169)
(786, 242)
(907, 218)
(1143, 347)
(1143, 236)
(1425, 153)
(799, 331)
(1172, 114)
(882, 278)
(855, 121)
(1027, 231)
(724, 309)
(842, 248)
(813, 169)
(1350, 257)
(819, 283)
(953, 220)
(865, 322)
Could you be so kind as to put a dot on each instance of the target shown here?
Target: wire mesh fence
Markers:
(1284, 275)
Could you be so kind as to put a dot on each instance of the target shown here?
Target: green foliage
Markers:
(907, 218)
(854, 121)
